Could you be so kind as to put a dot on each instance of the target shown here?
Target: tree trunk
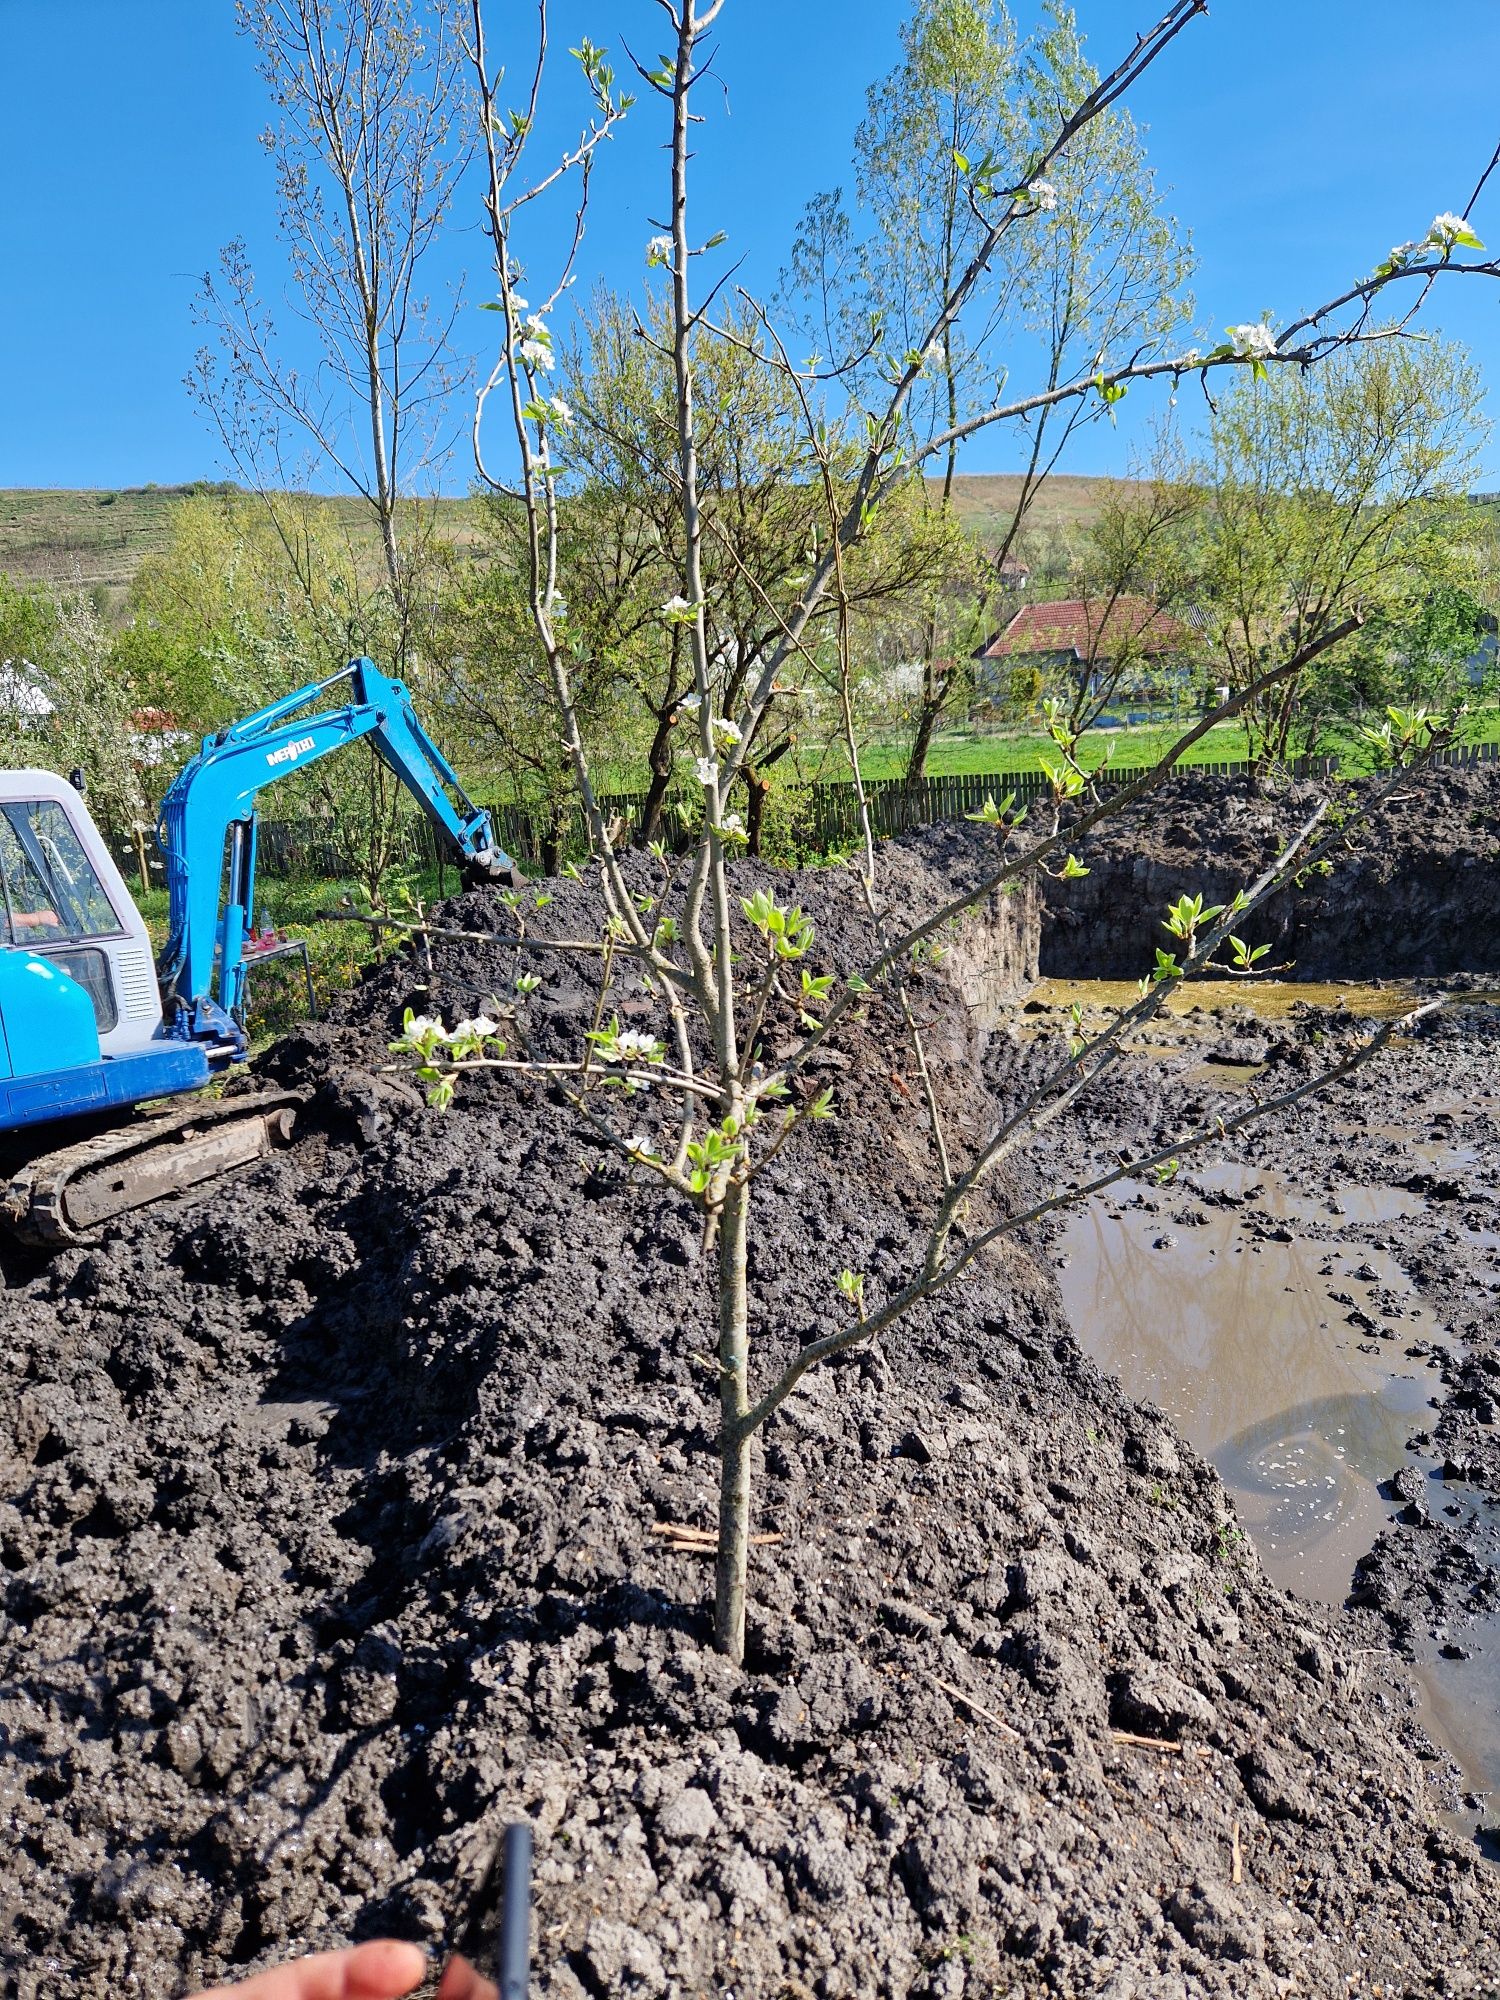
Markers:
(552, 839)
(660, 761)
(934, 693)
(734, 1443)
(756, 788)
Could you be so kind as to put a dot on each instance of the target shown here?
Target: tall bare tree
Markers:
(1094, 270)
(366, 148)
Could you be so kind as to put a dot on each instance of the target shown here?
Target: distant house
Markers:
(156, 737)
(1124, 639)
(1013, 575)
(21, 699)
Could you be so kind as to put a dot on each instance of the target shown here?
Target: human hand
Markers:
(461, 1982)
(381, 1970)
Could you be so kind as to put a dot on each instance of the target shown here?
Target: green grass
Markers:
(960, 752)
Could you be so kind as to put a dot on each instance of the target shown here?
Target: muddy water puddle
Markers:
(1280, 1350)
(1266, 999)
(1241, 1330)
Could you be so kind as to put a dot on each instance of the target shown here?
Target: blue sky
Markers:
(1298, 138)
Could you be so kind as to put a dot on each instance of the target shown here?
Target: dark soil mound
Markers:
(1418, 892)
(329, 1543)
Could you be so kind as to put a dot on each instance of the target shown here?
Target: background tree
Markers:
(620, 543)
(1330, 491)
(225, 618)
(367, 148)
(365, 157)
(64, 704)
(1095, 270)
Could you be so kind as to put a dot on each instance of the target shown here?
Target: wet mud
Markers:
(332, 1514)
(1316, 1309)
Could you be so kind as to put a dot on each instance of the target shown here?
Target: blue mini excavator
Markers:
(87, 1032)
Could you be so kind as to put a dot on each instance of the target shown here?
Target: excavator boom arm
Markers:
(213, 799)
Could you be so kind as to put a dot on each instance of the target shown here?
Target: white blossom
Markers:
(1044, 194)
(1403, 253)
(481, 1025)
(420, 1026)
(535, 349)
(724, 731)
(633, 1042)
(1446, 230)
(690, 704)
(561, 412)
(677, 603)
(658, 251)
(1253, 341)
(1193, 356)
(559, 609)
(643, 1143)
(707, 771)
(732, 827)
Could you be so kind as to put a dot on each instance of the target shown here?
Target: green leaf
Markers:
(960, 160)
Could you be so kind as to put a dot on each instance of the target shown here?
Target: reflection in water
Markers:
(1237, 1336)
(1266, 999)
(1250, 1345)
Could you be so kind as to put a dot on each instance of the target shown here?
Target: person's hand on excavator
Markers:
(381, 1970)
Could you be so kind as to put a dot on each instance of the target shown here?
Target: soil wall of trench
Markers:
(331, 1510)
(1416, 893)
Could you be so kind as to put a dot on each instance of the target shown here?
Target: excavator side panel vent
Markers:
(137, 984)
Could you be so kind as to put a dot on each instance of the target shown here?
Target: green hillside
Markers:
(99, 539)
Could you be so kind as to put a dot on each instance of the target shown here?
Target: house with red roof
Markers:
(1121, 645)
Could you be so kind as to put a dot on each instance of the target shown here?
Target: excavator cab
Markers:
(80, 1015)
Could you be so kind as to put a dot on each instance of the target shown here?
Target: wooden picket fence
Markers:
(827, 813)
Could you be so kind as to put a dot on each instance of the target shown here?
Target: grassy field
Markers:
(99, 539)
(985, 502)
(959, 752)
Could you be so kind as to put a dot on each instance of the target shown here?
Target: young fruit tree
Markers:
(718, 963)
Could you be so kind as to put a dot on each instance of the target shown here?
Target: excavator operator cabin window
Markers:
(50, 889)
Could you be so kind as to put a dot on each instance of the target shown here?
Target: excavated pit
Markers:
(1417, 894)
(326, 1523)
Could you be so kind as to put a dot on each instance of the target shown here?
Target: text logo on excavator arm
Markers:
(289, 751)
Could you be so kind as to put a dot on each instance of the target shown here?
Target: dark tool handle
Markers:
(515, 1915)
